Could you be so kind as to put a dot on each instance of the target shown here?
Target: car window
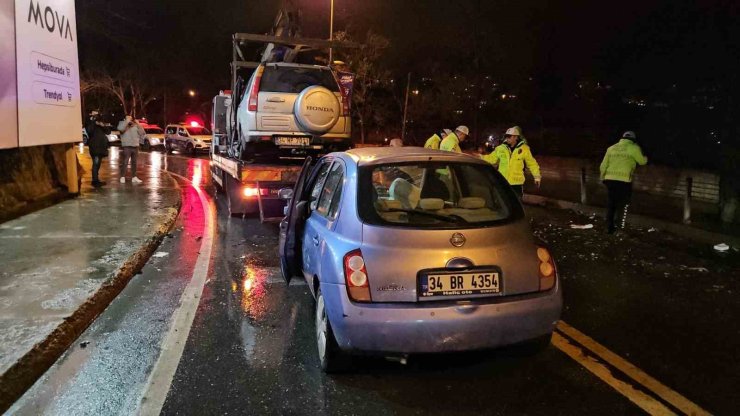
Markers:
(198, 131)
(181, 131)
(331, 191)
(294, 80)
(171, 130)
(435, 195)
(318, 182)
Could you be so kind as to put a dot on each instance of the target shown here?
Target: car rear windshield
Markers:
(435, 195)
(293, 80)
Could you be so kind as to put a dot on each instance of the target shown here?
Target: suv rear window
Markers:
(293, 80)
(435, 195)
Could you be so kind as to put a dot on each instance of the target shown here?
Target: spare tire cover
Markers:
(316, 109)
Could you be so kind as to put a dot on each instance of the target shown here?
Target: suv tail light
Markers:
(355, 274)
(547, 271)
(345, 106)
(254, 92)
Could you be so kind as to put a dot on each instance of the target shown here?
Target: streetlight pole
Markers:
(331, 29)
(405, 108)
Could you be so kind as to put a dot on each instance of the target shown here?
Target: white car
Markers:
(291, 111)
(114, 137)
(187, 138)
(154, 137)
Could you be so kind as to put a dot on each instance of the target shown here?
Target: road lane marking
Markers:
(630, 370)
(160, 379)
(642, 400)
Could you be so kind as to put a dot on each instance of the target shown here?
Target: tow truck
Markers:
(251, 187)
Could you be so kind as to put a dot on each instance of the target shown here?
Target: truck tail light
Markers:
(355, 274)
(250, 191)
(547, 270)
(254, 92)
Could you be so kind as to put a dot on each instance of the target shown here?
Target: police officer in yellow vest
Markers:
(433, 142)
(511, 157)
(617, 169)
(451, 143)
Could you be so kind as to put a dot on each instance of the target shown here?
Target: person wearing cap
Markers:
(433, 142)
(511, 157)
(451, 142)
(617, 170)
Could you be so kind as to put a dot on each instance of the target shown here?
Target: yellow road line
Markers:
(644, 401)
(659, 389)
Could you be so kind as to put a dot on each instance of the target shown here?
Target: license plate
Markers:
(460, 284)
(292, 141)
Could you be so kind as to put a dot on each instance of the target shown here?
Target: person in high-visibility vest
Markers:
(451, 143)
(433, 142)
(511, 157)
(617, 170)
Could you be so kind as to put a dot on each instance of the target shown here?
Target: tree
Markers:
(130, 87)
(370, 79)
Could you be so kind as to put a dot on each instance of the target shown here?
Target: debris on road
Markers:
(721, 247)
(160, 254)
(84, 344)
(581, 227)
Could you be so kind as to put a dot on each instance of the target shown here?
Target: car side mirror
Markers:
(285, 193)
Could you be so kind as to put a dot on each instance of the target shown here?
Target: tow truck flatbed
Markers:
(252, 188)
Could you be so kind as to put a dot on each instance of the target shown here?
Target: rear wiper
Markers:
(447, 218)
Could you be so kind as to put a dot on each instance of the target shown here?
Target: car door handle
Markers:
(315, 240)
(276, 100)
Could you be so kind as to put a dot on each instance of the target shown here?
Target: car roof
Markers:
(375, 155)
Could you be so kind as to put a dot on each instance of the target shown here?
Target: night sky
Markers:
(639, 43)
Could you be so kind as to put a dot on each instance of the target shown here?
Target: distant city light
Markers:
(191, 93)
(194, 124)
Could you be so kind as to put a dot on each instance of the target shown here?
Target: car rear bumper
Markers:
(430, 328)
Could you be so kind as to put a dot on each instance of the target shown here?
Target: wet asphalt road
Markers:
(251, 348)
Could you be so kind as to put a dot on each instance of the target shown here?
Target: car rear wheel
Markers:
(190, 149)
(167, 147)
(331, 358)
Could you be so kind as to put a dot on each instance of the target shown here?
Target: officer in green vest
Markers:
(451, 143)
(511, 157)
(617, 169)
(433, 142)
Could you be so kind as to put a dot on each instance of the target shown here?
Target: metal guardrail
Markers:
(685, 187)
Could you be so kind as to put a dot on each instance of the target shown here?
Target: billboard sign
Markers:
(47, 72)
(8, 99)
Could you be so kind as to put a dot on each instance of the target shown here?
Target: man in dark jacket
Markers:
(98, 144)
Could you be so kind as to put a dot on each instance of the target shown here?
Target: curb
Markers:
(29, 368)
(682, 230)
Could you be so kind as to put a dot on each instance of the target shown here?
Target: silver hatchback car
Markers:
(409, 250)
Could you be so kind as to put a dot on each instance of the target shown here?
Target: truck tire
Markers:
(316, 109)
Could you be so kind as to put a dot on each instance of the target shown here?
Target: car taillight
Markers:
(255, 89)
(355, 274)
(547, 271)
